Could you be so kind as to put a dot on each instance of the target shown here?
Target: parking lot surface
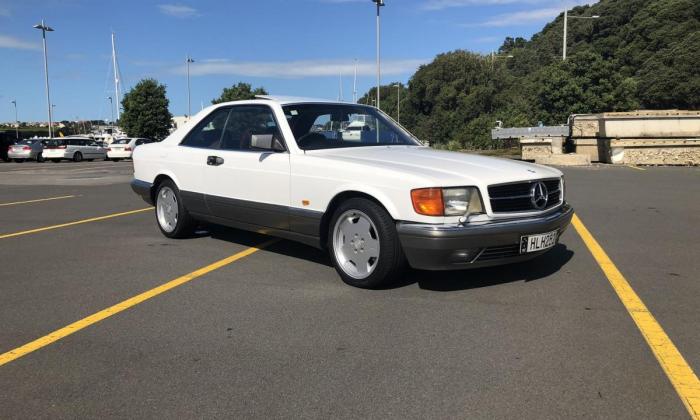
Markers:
(275, 333)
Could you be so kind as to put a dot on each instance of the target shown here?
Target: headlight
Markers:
(461, 201)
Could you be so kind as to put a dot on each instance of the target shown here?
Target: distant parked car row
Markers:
(71, 148)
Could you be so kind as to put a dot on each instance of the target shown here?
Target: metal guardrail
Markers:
(520, 132)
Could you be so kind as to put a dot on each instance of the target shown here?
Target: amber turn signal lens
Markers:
(428, 201)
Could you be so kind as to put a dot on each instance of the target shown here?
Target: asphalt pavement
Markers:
(276, 334)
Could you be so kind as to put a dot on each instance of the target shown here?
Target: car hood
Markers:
(441, 167)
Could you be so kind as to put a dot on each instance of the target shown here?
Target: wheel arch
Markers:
(158, 180)
(335, 203)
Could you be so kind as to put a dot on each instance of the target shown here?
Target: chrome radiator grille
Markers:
(516, 197)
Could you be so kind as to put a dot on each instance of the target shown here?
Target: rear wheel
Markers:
(40, 158)
(77, 157)
(173, 219)
(364, 245)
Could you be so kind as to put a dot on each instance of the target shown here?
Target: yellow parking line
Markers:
(36, 201)
(636, 167)
(124, 305)
(77, 222)
(671, 360)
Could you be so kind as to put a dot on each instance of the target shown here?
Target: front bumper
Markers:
(454, 247)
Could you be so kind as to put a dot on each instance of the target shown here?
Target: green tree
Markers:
(239, 92)
(146, 111)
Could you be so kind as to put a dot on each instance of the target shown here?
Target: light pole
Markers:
(45, 29)
(567, 17)
(398, 103)
(189, 95)
(379, 3)
(494, 56)
(16, 120)
(111, 110)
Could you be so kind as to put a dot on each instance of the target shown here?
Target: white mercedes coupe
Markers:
(376, 198)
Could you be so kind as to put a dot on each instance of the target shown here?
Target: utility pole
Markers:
(44, 28)
(379, 3)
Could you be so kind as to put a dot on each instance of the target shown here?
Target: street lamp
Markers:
(45, 29)
(398, 103)
(111, 110)
(379, 3)
(566, 17)
(495, 56)
(16, 120)
(189, 100)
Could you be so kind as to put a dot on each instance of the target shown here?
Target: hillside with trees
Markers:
(640, 54)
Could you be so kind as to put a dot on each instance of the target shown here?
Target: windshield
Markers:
(326, 126)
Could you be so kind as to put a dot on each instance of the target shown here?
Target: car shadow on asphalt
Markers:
(439, 281)
(446, 281)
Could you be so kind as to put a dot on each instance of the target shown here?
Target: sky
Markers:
(291, 47)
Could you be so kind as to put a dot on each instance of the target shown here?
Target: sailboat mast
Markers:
(116, 75)
(354, 85)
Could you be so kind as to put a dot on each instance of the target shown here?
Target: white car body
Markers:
(305, 182)
(73, 148)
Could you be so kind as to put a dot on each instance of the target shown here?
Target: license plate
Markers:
(534, 243)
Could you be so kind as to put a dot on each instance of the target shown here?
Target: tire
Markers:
(77, 157)
(40, 158)
(168, 200)
(364, 246)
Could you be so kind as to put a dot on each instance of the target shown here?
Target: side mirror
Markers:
(266, 142)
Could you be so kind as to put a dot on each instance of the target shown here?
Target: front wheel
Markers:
(173, 219)
(364, 245)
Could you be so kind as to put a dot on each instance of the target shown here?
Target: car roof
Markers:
(289, 100)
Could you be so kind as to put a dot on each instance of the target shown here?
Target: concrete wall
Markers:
(648, 137)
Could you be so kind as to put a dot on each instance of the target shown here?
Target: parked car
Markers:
(123, 148)
(73, 148)
(376, 204)
(29, 149)
(7, 139)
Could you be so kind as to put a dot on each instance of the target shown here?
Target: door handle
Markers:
(214, 160)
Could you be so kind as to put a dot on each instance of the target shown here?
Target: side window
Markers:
(139, 142)
(208, 132)
(252, 128)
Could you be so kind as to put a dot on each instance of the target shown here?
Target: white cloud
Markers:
(7, 41)
(178, 10)
(299, 68)
(446, 4)
(520, 18)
